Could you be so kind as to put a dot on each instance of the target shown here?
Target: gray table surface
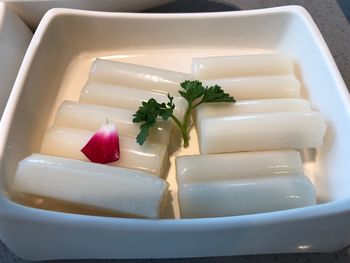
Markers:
(336, 31)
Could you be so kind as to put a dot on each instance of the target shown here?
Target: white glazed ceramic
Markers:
(31, 11)
(56, 67)
(14, 40)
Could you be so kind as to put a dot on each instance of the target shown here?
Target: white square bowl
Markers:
(56, 67)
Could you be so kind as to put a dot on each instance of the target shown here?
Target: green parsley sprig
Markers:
(195, 94)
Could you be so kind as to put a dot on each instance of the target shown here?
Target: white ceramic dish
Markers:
(31, 11)
(56, 67)
(14, 40)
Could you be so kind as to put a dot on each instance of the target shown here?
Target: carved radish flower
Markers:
(103, 147)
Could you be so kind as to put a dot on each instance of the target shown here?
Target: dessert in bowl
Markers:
(56, 68)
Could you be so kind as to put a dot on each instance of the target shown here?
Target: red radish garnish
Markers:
(103, 147)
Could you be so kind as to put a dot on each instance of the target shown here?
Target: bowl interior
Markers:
(66, 42)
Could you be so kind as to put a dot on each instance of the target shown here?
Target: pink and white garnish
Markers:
(103, 147)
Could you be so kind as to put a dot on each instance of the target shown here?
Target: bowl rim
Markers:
(11, 210)
(2, 13)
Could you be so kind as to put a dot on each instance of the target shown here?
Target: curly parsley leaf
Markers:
(148, 113)
(192, 90)
(216, 94)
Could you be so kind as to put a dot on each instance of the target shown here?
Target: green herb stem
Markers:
(183, 128)
(176, 120)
